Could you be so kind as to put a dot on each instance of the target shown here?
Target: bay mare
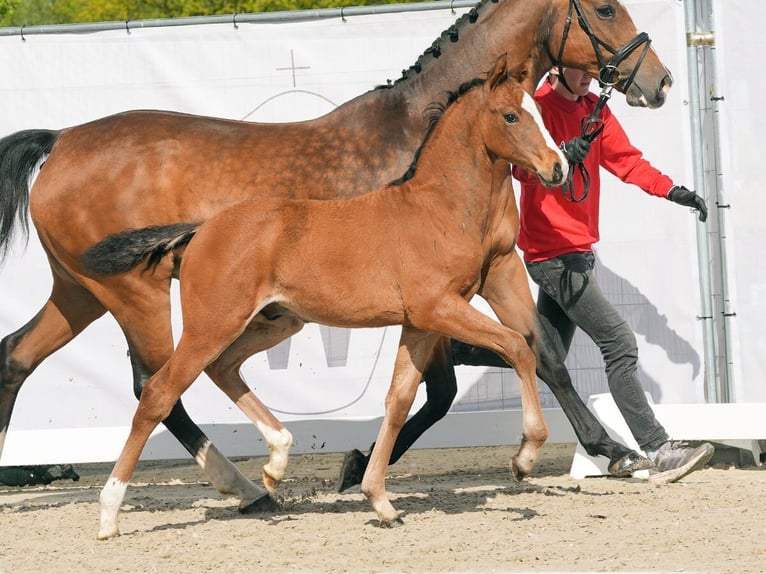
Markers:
(411, 254)
(164, 168)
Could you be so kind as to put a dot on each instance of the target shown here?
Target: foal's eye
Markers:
(606, 11)
(511, 118)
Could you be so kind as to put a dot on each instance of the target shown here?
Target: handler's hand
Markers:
(576, 149)
(682, 196)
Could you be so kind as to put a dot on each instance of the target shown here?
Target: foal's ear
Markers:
(499, 73)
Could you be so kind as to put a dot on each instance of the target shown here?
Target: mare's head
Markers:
(599, 36)
(512, 129)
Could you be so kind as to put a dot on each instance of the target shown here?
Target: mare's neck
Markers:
(512, 27)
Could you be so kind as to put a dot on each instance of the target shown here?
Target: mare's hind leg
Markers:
(261, 334)
(142, 308)
(415, 348)
(506, 289)
(69, 309)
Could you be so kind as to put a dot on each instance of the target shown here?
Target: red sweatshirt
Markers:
(551, 224)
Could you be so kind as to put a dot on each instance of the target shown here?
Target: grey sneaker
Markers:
(675, 459)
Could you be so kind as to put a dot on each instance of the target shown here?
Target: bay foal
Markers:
(410, 254)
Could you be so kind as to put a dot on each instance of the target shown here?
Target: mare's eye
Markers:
(606, 11)
(511, 118)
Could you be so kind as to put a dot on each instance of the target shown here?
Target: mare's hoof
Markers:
(352, 469)
(263, 504)
(395, 523)
(626, 465)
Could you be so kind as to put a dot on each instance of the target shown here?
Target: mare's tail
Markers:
(20, 154)
(123, 251)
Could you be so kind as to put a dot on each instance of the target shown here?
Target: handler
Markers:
(557, 233)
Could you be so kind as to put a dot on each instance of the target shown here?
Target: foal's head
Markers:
(513, 129)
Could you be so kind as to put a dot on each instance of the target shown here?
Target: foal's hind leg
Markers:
(69, 309)
(159, 395)
(142, 308)
(204, 340)
(261, 334)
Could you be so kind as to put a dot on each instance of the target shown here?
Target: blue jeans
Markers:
(569, 297)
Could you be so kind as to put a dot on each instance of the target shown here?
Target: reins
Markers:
(591, 126)
(608, 76)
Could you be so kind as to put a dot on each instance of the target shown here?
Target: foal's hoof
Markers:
(263, 504)
(107, 533)
(270, 482)
(352, 469)
(628, 464)
(395, 523)
(519, 472)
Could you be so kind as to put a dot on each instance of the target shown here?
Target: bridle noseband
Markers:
(608, 77)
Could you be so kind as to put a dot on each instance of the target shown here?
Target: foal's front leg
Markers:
(415, 348)
(456, 318)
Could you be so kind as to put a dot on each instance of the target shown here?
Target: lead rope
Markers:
(590, 126)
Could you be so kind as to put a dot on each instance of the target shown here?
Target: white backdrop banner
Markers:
(294, 71)
(739, 42)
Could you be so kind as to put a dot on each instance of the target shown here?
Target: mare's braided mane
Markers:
(451, 34)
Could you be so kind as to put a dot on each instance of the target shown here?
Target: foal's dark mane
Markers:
(451, 34)
(433, 114)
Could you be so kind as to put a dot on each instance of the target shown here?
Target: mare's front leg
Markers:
(260, 335)
(415, 349)
(441, 388)
(506, 289)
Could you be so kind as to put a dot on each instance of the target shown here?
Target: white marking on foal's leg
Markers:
(225, 477)
(279, 442)
(111, 498)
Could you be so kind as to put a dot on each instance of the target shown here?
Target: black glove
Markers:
(682, 196)
(576, 149)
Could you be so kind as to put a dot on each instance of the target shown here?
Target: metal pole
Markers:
(721, 211)
(703, 252)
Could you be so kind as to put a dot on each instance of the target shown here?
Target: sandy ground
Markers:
(463, 513)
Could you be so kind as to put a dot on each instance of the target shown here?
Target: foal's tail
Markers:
(123, 251)
(20, 154)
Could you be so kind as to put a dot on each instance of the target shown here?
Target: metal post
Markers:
(703, 252)
(720, 213)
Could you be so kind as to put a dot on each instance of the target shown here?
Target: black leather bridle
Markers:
(608, 77)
